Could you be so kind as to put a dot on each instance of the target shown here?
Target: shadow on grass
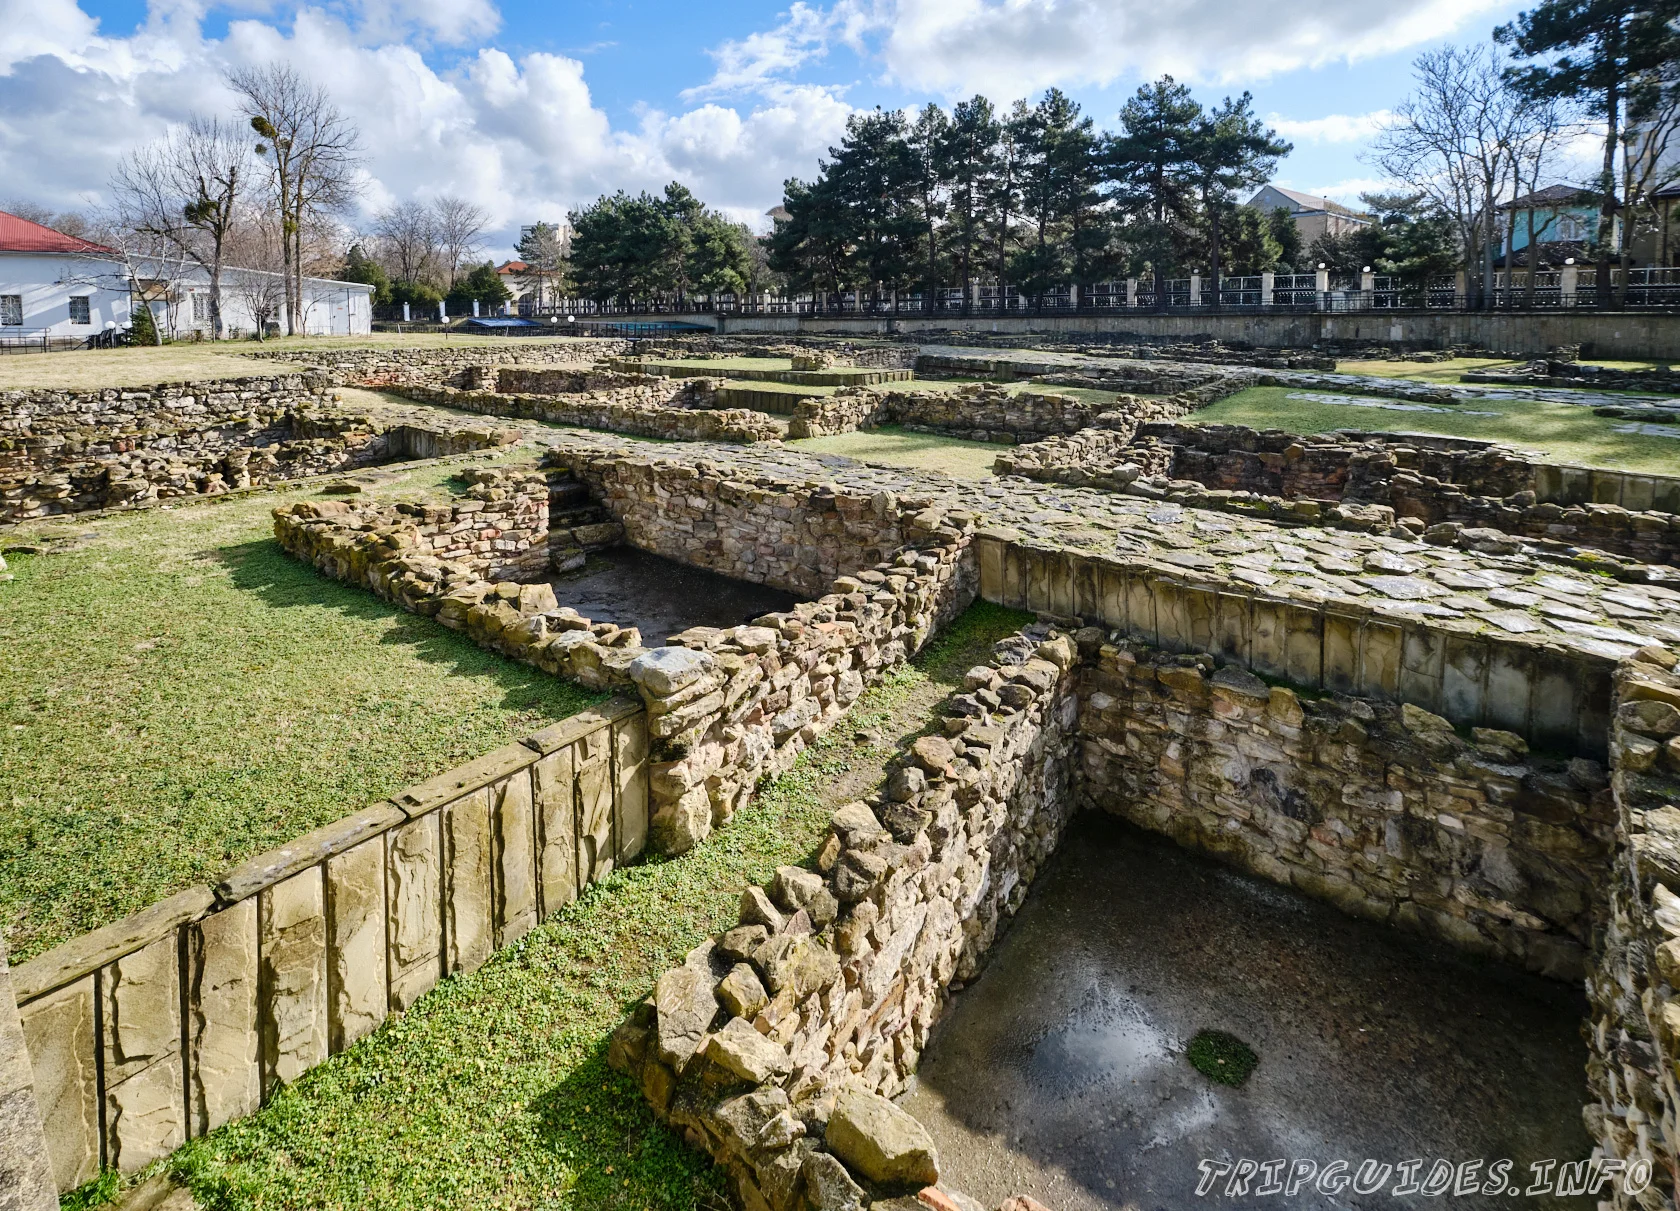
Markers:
(264, 570)
(598, 1121)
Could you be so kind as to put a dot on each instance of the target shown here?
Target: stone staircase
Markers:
(577, 524)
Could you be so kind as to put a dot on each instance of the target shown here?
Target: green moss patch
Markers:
(1222, 1057)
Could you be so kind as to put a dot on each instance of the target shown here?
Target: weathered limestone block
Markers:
(516, 858)
(415, 928)
(141, 995)
(222, 1033)
(880, 1142)
(556, 811)
(467, 921)
(26, 1175)
(592, 770)
(630, 763)
(357, 983)
(143, 1116)
(292, 937)
(59, 1029)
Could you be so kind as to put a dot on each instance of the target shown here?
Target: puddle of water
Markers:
(659, 597)
(1060, 1072)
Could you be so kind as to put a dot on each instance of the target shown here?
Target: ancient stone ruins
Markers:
(1432, 681)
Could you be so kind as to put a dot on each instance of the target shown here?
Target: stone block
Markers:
(1037, 582)
(1341, 652)
(1140, 607)
(593, 777)
(468, 936)
(413, 854)
(1510, 675)
(515, 837)
(1464, 678)
(991, 567)
(59, 1031)
(1422, 656)
(26, 1174)
(1304, 645)
(1553, 720)
(225, 1077)
(140, 997)
(143, 1115)
(1087, 589)
(1268, 637)
(630, 769)
(1014, 592)
(292, 1000)
(1112, 594)
(358, 986)
(556, 815)
(1380, 648)
(1230, 627)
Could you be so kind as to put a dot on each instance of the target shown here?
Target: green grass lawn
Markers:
(1562, 432)
(494, 1090)
(179, 695)
(1452, 371)
(727, 363)
(923, 451)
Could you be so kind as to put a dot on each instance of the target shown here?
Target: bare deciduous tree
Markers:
(186, 191)
(1454, 139)
(408, 236)
(311, 151)
(457, 225)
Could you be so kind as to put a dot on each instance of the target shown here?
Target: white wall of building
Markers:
(44, 284)
(329, 308)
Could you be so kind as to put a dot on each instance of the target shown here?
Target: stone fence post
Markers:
(1268, 281)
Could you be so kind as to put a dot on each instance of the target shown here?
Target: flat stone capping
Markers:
(265, 870)
(559, 735)
(76, 958)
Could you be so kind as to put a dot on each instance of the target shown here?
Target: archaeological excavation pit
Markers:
(1061, 1072)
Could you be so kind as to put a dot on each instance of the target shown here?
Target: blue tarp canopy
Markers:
(500, 323)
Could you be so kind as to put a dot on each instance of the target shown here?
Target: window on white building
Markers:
(11, 310)
(79, 311)
(201, 308)
(1569, 228)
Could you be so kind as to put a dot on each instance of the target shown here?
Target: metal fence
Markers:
(1573, 288)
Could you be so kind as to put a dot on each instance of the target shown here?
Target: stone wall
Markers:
(1633, 1024)
(395, 365)
(726, 706)
(655, 409)
(498, 531)
(774, 1047)
(1552, 696)
(1383, 810)
(978, 412)
(75, 451)
(162, 1027)
(1437, 486)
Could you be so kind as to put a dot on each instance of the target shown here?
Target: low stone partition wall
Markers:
(1633, 1023)
(499, 531)
(72, 452)
(1148, 377)
(726, 706)
(194, 1012)
(1382, 810)
(394, 365)
(1557, 372)
(532, 380)
(978, 412)
(653, 410)
(775, 1046)
(1370, 481)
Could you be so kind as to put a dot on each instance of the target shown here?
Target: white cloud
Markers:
(1347, 190)
(1009, 48)
(520, 136)
(1332, 128)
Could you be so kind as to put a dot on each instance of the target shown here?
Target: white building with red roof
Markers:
(55, 286)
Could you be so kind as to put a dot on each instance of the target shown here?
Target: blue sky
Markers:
(531, 107)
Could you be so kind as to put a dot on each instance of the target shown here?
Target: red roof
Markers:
(20, 235)
(512, 267)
